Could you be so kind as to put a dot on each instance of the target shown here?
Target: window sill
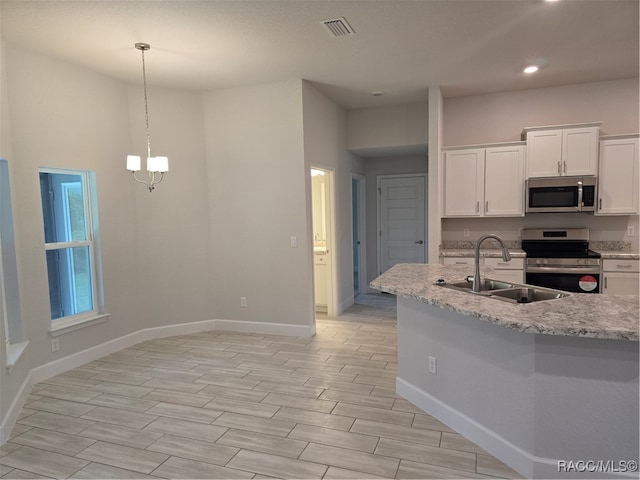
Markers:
(14, 352)
(61, 327)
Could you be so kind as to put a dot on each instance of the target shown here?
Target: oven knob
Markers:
(545, 261)
(538, 261)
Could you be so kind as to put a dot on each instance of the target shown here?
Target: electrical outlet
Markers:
(294, 241)
(466, 233)
(243, 301)
(55, 344)
(432, 365)
(630, 231)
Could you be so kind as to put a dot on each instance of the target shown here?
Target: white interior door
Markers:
(402, 226)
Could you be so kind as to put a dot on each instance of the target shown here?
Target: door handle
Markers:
(419, 242)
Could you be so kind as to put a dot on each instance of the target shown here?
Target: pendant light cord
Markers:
(146, 104)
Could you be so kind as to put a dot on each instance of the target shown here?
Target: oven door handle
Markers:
(576, 270)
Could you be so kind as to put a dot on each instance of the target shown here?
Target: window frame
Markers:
(72, 322)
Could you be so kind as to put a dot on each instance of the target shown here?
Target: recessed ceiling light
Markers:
(530, 69)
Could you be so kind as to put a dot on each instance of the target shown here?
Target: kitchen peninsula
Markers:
(533, 384)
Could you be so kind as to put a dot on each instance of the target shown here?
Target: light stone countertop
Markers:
(619, 255)
(579, 314)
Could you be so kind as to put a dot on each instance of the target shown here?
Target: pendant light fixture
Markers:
(156, 166)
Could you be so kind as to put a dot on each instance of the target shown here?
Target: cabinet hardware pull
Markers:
(564, 166)
(600, 204)
(478, 206)
(559, 171)
(605, 283)
(623, 266)
(486, 208)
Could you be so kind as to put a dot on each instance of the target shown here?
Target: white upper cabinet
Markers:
(482, 182)
(504, 181)
(463, 182)
(562, 151)
(618, 176)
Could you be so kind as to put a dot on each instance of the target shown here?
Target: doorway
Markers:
(324, 255)
(358, 209)
(401, 220)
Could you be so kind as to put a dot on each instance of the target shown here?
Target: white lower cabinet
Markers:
(512, 271)
(320, 281)
(621, 277)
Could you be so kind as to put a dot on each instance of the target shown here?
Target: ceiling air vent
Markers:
(338, 27)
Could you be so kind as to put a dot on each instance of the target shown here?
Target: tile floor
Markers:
(236, 405)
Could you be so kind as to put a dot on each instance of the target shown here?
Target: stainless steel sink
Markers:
(523, 294)
(506, 291)
(486, 285)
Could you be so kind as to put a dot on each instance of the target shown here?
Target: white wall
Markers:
(325, 145)
(259, 198)
(401, 128)
(155, 247)
(500, 117)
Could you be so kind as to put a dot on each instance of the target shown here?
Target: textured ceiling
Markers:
(400, 47)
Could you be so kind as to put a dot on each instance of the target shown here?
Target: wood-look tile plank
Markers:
(63, 407)
(276, 466)
(352, 460)
(409, 470)
(121, 389)
(98, 471)
(425, 420)
(357, 399)
(180, 398)
(185, 412)
(170, 384)
(398, 432)
(373, 413)
(119, 417)
(255, 424)
(237, 406)
(318, 419)
(455, 441)
(260, 442)
(123, 403)
(325, 406)
(335, 438)
(426, 454)
(121, 435)
(42, 462)
(197, 450)
(51, 441)
(185, 428)
(123, 457)
(336, 473)
(71, 394)
(343, 386)
(177, 467)
(54, 421)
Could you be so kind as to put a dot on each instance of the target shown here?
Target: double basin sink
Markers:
(509, 292)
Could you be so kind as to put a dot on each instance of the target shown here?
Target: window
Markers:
(69, 235)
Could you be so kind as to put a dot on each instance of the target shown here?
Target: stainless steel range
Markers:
(560, 258)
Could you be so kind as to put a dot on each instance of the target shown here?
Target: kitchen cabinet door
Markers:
(544, 151)
(580, 151)
(555, 152)
(504, 181)
(618, 177)
(621, 283)
(463, 182)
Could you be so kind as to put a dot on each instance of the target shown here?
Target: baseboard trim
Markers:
(525, 463)
(266, 328)
(346, 304)
(56, 367)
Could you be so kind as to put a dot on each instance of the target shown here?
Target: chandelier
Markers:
(156, 166)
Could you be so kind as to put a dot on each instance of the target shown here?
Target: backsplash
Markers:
(611, 246)
(466, 244)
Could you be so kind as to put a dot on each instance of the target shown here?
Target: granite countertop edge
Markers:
(518, 253)
(612, 317)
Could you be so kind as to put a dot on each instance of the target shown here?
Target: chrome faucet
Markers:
(476, 268)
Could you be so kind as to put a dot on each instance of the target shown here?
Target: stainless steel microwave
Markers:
(561, 194)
